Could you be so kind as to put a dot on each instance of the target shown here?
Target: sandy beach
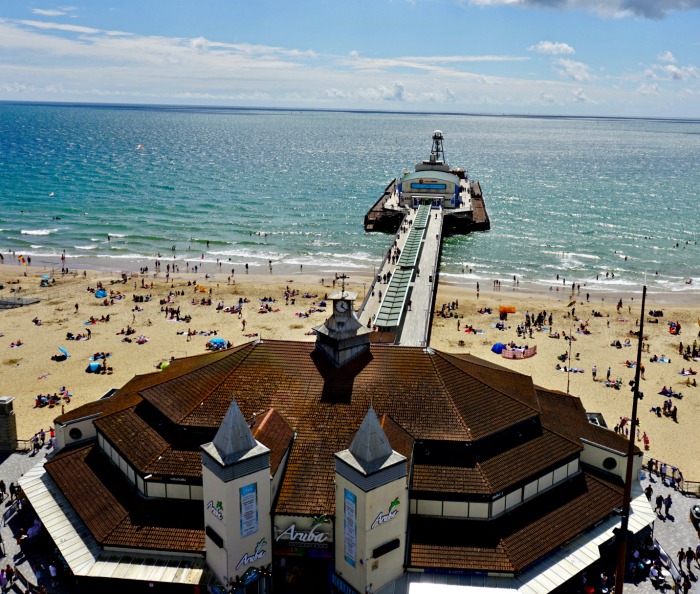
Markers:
(31, 369)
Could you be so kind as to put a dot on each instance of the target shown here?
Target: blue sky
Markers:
(578, 57)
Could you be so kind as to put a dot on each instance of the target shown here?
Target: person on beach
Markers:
(594, 372)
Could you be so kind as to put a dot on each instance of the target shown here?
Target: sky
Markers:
(631, 58)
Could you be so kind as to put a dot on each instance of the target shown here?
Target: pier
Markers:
(401, 309)
(420, 208)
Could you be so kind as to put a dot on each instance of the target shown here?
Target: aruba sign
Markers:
(383, 518)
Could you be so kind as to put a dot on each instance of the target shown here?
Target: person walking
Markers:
(3, 490)
(668, 502)
(594, 372)
(689, 557)
(607, 375)
(681, 557)
(657, 509)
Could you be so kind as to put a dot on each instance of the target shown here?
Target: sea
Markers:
(607, 203)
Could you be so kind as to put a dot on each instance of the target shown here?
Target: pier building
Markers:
(343, 466)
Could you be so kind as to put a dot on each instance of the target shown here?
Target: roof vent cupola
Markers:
(342, 337)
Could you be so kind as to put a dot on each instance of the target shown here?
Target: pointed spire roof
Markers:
(370, 450)
(370, 443)
(233, 437)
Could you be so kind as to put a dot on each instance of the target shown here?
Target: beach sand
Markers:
(29, 370)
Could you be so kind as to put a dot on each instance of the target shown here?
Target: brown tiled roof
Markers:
(510, 467)
(189, 381)
(428, 396)
(399, 439)
(274, 432)
(115, 514)
(517, 539)
(566, 415)
(128, 395)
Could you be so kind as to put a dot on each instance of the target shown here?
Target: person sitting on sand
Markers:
(665, 391)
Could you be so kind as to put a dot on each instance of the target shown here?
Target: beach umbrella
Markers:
(47, 277)
(93, 367)
(498, 348)
(218, 341)
(101, 294)
(64, 351)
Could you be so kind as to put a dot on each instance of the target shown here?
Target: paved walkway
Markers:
(672, 533)
(33, 559)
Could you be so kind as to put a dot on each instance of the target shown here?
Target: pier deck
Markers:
(402, 307)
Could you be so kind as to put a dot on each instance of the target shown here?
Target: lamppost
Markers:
(622, 533)
(568, 369)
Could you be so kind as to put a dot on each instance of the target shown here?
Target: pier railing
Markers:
(434, 275)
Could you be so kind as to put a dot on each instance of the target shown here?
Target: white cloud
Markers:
(682, 72)
(335, 94)
(580, 96)
(397, 92)
(652, 9)
(667, 57)
(552, 48)
(648, 89)
(68, 28)
(48, 12)
(200, 44)
(574, 70)
(354, 54)
(650, 74)
(547, 98)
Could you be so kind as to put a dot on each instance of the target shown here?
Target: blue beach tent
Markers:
(498, 348)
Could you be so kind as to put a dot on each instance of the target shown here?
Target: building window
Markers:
(610, 463)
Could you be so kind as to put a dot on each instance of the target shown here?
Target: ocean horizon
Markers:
(609, 203)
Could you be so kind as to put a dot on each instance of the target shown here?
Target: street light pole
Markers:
(568, 369)
(622, 534)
